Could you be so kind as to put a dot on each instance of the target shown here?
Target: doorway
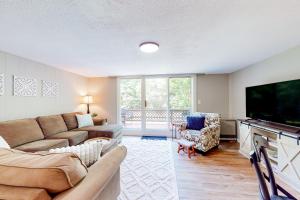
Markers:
(153, 103)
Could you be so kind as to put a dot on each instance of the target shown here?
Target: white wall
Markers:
(212, 94)
(14, 107)
(282, 67)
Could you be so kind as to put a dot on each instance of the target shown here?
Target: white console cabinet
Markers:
(289, 160)
(283, 151)
(245, 139)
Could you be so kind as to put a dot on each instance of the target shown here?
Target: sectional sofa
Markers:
(54, 131)
(100, 181)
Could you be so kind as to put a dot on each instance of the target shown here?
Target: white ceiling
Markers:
(101, 37)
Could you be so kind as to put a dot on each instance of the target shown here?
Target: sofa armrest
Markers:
(212, 129)
(99, 175)
(24, 193)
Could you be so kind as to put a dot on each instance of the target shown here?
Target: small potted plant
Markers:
(94, 115)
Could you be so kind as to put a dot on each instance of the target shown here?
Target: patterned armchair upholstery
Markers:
(208, 137)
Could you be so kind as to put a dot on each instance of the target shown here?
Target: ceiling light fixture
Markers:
(149, 47)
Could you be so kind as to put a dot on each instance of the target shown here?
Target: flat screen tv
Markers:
(276, 102)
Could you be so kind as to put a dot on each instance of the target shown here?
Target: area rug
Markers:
(145, 137)
(148, 172)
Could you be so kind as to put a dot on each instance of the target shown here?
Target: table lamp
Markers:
(88, 100)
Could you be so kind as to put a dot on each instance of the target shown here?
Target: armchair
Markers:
(206, 138)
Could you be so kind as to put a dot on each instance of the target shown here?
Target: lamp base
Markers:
(88, 108)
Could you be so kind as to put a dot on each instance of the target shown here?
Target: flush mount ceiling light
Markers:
(149, 47)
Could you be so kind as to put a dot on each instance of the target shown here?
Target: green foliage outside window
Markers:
(156, 93)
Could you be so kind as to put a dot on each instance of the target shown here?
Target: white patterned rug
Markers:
(148, 172)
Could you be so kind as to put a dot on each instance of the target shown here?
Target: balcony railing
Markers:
(131, 115)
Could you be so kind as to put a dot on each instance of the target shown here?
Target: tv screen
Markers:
(276, 102)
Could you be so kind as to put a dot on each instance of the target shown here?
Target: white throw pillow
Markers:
(84, 120)
(3, 143)
(88, 153)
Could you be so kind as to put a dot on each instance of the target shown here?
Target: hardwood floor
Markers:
(221, 174)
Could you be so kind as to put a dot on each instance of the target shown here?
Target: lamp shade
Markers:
(88, 99)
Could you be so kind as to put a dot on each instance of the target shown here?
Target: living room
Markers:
(135, 112)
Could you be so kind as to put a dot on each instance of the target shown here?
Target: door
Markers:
(153, 103)
(156, 103)
(131, 107)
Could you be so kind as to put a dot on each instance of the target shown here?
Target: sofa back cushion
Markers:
(52, 124)
(18, 132)
(71, 120)
(54, 172)
(212, 119)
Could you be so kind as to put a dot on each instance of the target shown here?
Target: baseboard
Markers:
(228, 139)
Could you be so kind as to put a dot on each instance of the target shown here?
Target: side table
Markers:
(175, 127)
(99, 121)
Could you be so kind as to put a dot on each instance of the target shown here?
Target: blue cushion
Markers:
(195, 122)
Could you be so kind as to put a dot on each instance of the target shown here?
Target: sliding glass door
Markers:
(153, 103)
(131, 103)
(156, 103)
(180, 98)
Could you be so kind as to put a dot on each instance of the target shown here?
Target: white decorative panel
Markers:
(245, 139)
(25, 86)
(289, 160)
(1, 84)
(50, 89)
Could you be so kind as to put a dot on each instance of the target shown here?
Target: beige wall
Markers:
(14, 107)
(212, 94)
(104, 91)
(282, 67)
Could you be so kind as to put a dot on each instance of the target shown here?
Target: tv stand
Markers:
(274, 127)
(283, 151)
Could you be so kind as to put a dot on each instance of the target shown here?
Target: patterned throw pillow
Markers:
(84, 120)
(89, 153)
(3, 143)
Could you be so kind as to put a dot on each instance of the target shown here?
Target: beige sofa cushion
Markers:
(71, 120)
(99, 177)
(52, 124)
(18, 132)
(74, 137)
(43, 145)
(50, 171)
(23, 193)
(111, 130)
